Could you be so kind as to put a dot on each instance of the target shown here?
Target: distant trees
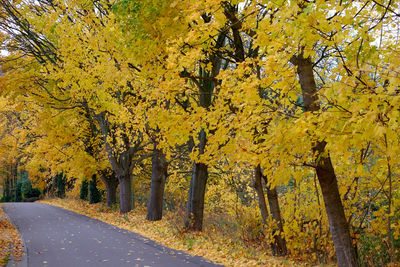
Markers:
(296, 98)
(21, 191)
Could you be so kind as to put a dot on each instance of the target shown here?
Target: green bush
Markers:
(61, 180)
(27, 190)
(18, 191)
(94, 193)
(35, 192)
(84, 190)
(23, 190)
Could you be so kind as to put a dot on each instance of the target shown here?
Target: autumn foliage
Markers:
(10, 241)
(278, 120)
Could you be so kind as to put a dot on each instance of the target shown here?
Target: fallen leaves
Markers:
(209, 244)
(10, 240)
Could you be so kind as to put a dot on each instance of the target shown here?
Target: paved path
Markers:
(57, 237)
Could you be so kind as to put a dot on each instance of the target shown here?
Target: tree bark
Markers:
(159, 174)
(279, 248)
(195, 204)
(111, 181)
(122, 164)
(125, 193)
(7, 191)
(260, 193)
(111, 187)
(339, 227)
(53, 186)
(13, 179)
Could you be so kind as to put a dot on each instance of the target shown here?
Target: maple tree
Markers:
(299, 97)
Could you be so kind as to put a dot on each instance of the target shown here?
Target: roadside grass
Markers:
(213, 244)
(10, 240)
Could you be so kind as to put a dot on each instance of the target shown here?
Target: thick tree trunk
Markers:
(111, 193)
(260, 193)
(279, 248)
(339, 227)
(111, 187)
(125, 193)
(345, 251)
(159, 174)
(121, 163)
(195, 205)
(111, 181)
(197, 190)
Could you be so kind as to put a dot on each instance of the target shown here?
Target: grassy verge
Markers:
(211, 243)
(10, 240)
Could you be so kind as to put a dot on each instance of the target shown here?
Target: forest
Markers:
(276, 122)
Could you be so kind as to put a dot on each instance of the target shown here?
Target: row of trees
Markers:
(90, 191)
(301, 93)
(19, 190)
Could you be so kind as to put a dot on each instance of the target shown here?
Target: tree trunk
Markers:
(110, 180)
(339, 227)
(7, 191)
(111, 187)
(12, 182)
(345, 252)
(125, 193)
(159, 174)
(53, 186)
(260, 193)
(195, 205)
(279, 248)
(197, 190)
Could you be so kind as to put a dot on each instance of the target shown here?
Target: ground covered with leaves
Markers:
(211, 244)
(10, 240)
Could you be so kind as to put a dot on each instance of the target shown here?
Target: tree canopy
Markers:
(297, 100)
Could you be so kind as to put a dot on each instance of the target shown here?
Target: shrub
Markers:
(94, 193)
(18, 191)
(60, 184)
(84, 190)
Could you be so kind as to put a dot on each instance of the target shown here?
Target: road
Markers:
(57, 237)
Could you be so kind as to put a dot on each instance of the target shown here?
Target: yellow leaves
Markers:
(213, 243)
(144, 73)
(10, 240)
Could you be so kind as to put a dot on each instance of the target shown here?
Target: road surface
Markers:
(57, 237)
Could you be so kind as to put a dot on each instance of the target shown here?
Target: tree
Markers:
(60, 181)
(300, 97)
(84, 190)
(94, 193)
(111, 182)
(159, 174)
(121, 159)
(301, 49)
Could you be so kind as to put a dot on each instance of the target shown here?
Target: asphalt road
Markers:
(57, 237)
